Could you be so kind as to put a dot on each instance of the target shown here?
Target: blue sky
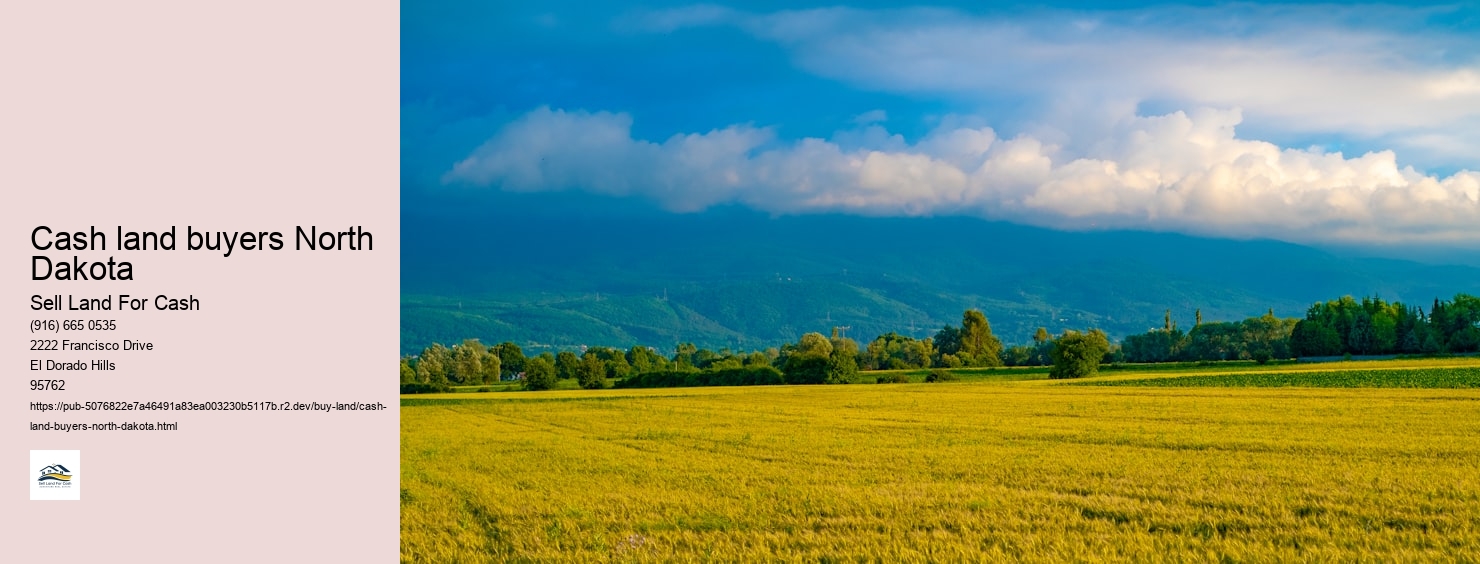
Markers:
(1322, 124)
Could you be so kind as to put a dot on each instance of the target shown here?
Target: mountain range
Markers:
(744, 280)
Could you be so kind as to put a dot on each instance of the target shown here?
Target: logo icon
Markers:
(55, 473)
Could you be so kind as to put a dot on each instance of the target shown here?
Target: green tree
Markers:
(408, 374)
(842, 362)
(1362, 338)
(511, 357)
(1076, 355)
(613, 360)
(683, 357)
(805, 369)
(1464, 313)
(467, 362)
(815, 344)
(703, 358)
(947, 341)
(1041, 336)
(591, 373)
(492, 367)
(725, 362)
(1156, 345)
(1411, 342)
(807, 361)
(643, 359)
(431, 366)
(757, 358)
(1431, 344)
(539, 374)
(919, 352)
(1020, 355)
(565, 365)
(1465, 340)
(1218, 341)
(1267, 336)
(977, 340)
(1311, 338)
(892, 351)
(1384, 332)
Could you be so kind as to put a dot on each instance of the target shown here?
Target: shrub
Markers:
(760, 375)
(1465, 340)
(842, 367)
(591, 372)
(895, 378)
(419, 388)
(1076, 355)
(539, 374)
(939, 375)
(806, 369)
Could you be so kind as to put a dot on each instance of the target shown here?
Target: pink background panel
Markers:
(223, 116)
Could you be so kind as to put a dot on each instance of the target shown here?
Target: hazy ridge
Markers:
(736, 279)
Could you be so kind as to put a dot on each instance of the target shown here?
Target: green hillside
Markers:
(753, 282)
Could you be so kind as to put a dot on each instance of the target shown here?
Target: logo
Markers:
(55, 473)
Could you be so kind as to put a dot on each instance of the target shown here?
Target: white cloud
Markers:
(670, 20)
(1302, 70)
(871, 116)
(1182, 172)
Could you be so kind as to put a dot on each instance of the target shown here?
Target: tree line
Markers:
(812, 359)
(1342, 326)
(1374, 326)
(1257, 338)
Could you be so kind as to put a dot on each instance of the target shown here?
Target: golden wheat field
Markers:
(961, 471)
